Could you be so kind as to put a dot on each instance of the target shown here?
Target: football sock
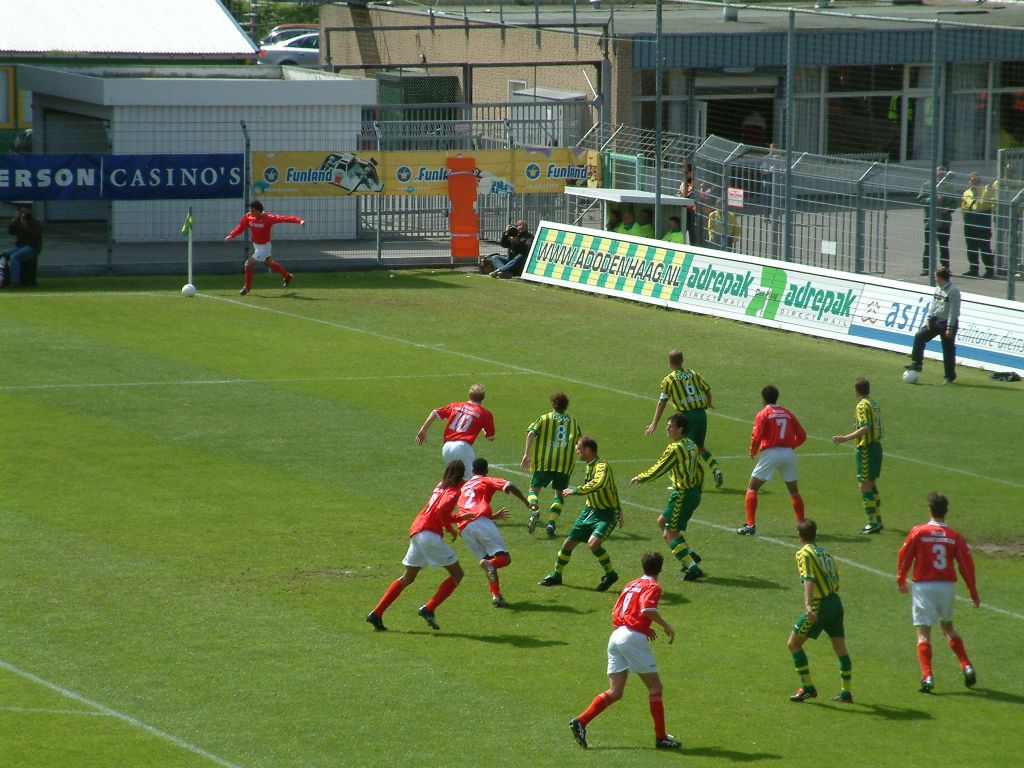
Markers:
(276, 266)
(845, 671)
(562, 560)
(924, 656)
(600, 703)
(494, 586)
(657, 706)
(500, 560)
(555, 511)
(878, 505)
(750, 507)
(248, 281)
(867, 500)
(710, 460)
(447, 587)
(957, 644)
(803, 668)
(531, 499)
(681, 549)
(392, 593)
(604, 559)
(798, 506)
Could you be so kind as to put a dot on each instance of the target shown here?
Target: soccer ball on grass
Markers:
(188, 290)
(910, 376)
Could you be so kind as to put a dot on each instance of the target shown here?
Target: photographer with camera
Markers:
(28, 242)
(518, 240)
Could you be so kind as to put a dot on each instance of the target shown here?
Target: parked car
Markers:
(283, 32)
(303, 51)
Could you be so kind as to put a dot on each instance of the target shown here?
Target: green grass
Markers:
(203, 498)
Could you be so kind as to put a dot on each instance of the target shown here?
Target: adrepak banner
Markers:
(120, 177)
(859, 309)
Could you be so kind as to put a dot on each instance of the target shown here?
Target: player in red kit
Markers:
(428, 547)
(776, 433)
(932, 550)
(259, 224)
(629, 649)
(465, 423)
(476, 524)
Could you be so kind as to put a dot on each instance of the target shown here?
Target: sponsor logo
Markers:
(532, 171)
(403, 174)
(271, 174)
(604, 262)
(565, 172)
(904, 316)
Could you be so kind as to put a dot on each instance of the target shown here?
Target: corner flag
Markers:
(186, 228)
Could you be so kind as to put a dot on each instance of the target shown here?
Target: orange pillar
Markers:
(463, 221)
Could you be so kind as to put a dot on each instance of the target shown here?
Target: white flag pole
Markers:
(190, 245)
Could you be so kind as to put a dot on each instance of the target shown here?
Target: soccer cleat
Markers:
(531, 524)
(490, 570)
(803, 694)
(948, 380)
(970, 678)
(927, 684)
(719, 479)
(287, 280)
(499, 602)
(377, 622)
(669, 742)
(579, 732)
(844, 696)
(606, 581)
(428, 616)
(550, 530)
(554, 580)
(747, 530)
(243, 292)
(693, 574)
(871, 528)
(913, 367)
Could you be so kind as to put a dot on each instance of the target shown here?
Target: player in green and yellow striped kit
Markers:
(680, 457)
(824, 612)
(596, 520)
(550, 444)
(868, 436)
(689, 393)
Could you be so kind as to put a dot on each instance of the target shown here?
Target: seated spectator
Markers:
(518, 240)
(28, 242)
(644, 224)
(628, 225)
(614, 221)
(675, 231)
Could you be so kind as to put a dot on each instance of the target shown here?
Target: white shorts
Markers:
(261, 252)
(483, 538)
(629, 650)
(427, 548)
(931, 602)
(772, 460)
(459, 449)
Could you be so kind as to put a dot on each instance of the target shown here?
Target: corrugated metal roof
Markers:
(61, 28)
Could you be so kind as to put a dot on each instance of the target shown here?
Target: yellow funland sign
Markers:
(365, 172)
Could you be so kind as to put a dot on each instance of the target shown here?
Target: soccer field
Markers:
(203, 498)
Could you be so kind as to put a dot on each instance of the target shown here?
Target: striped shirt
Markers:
(553, 448)
(680, 457)
(686, 390)
(599, 486)
(817, 566)
(869, 415)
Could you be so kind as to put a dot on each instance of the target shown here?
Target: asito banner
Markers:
(365, 172)
(859, 309)
(120, 177)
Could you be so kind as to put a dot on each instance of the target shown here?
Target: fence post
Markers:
(787, 221)
(246, 178)
(859, 218)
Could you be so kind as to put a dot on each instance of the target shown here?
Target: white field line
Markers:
(221, 382)
(42, 711)
(102, 709)
(891, 576)
(557, 377)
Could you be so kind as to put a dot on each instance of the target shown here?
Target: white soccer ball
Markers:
(910, 376)
(188, 290)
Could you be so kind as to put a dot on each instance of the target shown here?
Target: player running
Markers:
(476, 524)
(550, 443)
(679, 458)
(775, 436)
(260, 224)
(690, 394)
(933, 549)
(428, 547)
(868, 437)
(465, 422)
(629, 650)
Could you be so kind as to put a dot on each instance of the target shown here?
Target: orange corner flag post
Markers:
(463, 222)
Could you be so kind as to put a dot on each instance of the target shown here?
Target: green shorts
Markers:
(869, 462)
(830, 620)
(594, 522)
(680, 508)
(557, 480)
(697, 425)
